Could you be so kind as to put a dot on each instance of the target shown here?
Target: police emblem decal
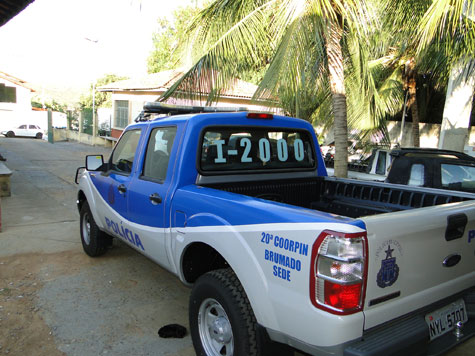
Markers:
(389, 271)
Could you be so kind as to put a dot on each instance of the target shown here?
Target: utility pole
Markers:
(94, 118)
(50, 126)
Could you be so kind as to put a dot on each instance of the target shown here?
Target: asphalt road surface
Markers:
(55, 300)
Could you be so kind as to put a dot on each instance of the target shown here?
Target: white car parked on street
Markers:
(26, 130)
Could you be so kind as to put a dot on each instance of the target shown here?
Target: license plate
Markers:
(444, 319)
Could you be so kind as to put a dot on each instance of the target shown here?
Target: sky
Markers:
(73, 42)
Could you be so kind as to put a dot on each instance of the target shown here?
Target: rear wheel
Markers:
(10, 134)
(222, 322)
(39, 135)
(94, 241)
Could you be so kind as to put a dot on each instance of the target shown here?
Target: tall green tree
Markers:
(235, 36)
(166, 53)
(102, 99)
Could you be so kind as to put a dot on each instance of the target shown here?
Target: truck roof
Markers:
(203, 116)
(446, 154)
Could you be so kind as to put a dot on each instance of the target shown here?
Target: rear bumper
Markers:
(407, 335)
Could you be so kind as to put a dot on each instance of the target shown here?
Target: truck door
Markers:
(148, 193)
(113, 184)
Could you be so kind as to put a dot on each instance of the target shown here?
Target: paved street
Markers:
(55, 300)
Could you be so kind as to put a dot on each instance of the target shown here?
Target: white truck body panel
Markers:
(277, 303)
(417, 240)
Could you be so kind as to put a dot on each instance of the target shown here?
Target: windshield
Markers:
(255, 148)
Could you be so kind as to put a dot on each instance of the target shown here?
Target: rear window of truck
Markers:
(458, 177)
(236, 149)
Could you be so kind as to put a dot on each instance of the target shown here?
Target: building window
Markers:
(121, 113)
(7, 94)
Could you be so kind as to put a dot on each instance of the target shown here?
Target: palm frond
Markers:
(297, 62)
(450, 24)
(224, 60)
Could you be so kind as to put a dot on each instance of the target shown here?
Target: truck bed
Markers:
(345, 197)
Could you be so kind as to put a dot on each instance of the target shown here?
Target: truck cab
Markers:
(434, 168)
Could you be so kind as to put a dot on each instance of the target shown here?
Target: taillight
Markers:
(338, 272)
(260, 115)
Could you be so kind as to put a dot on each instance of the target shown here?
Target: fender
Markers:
(230, 243)
(86, 186)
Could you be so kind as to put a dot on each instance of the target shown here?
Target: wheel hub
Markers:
(220, 330)
(86, 229)
(215, 329)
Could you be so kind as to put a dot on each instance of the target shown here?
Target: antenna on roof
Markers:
(168, 109)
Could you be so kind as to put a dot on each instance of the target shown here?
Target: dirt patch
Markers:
(67, 303)
(23, 330)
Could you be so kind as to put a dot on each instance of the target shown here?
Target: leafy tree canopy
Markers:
(102, 99)
(52, 104)
(170, 34)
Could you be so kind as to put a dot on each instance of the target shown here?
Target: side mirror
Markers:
(94, 162)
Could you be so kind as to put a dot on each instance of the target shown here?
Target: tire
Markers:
(222, 322)
(10, 134)
(39, 136)
(94, 241)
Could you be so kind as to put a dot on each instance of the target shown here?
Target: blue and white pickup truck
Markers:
(280, 256)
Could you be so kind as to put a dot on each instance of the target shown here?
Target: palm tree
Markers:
(238, 35)
(431, 36)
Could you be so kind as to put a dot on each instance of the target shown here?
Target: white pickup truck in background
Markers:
(376, 167)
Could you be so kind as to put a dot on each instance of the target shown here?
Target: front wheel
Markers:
(94, 241)
(10, 134)
(222, 322)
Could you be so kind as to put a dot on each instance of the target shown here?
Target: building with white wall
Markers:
(129, 96)
(15, 101)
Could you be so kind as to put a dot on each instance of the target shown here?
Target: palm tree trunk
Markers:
(411, 85)
(412, 103)
(337, 87)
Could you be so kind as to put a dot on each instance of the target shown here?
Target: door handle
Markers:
(455, 226)
(155, 198)
(122, 189)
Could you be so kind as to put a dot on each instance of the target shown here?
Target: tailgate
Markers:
(418, 257)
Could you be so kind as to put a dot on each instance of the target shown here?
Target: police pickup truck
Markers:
(238, 205)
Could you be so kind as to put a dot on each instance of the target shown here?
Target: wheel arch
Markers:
(81, 199)
(85, 194)
(192, 269)
(199, 257)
